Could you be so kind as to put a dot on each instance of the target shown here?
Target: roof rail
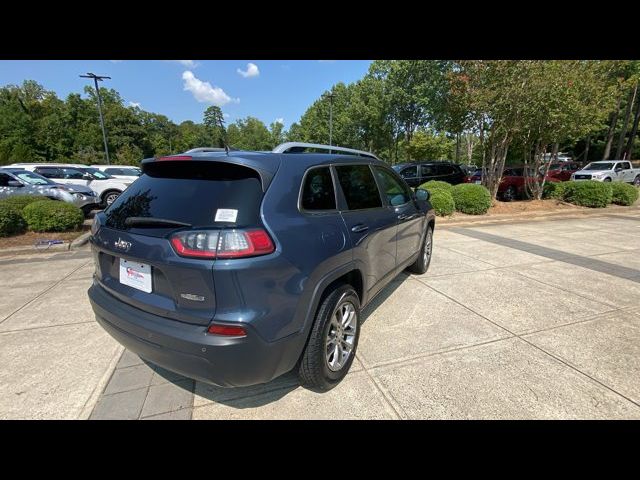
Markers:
(299, 147)
(205, 149)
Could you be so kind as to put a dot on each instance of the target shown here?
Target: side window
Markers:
(49, 172)
(4, 180)
(318, 192)
(445, 169)
(113, 171)
(409, 172)
(359, 187)
(427, 170)
(396, 192)
(72, 173)
(626, 166)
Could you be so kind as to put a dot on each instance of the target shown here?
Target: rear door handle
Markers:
(359, 228)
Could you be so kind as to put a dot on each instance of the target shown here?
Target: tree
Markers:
(426, 145)
(214, 121)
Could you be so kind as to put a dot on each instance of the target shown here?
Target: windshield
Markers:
(97, 173)
(599, 166)
(133, 172)
(33, 178)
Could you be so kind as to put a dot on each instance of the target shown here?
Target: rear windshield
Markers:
(191, 192)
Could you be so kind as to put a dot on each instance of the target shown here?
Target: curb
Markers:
(61, 247)
(80, 241)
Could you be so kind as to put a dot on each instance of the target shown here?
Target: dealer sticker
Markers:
(226, 215)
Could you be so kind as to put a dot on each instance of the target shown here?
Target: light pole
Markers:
(96, 79)
(330, 97)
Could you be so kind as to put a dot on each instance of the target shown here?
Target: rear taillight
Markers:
(222, 243)
(174, 157)
(227, 330)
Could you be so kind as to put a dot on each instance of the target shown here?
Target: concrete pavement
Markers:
(536, 319)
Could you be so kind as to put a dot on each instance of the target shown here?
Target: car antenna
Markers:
(225, 138)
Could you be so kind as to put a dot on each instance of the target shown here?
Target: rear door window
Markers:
(190, 192)
(409, 172)
(317, 191)
(359, 187)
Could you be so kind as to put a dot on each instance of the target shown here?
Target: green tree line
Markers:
(488, 113)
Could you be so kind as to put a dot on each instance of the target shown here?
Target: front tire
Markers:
(607, 180)
(109, 198)
(333, 341)
(421, 265)
(636, 181)
(510, 194)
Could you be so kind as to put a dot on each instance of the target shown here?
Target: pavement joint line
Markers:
(45, 326)
(565, 290)
(413, 358)
(590, 318)
(386, 397)
(559, 359)
(44, 292)
(572, 259)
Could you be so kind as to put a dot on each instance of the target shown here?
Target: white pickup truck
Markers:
(609, 171)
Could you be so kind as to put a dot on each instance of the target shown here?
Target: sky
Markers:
(271, 90)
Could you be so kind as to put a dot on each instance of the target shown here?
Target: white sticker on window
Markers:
(226, 215)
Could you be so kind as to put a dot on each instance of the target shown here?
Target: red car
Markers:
(512, 186)
(562, 170)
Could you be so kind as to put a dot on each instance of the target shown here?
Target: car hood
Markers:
(76, 188)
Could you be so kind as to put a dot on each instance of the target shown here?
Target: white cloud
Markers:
(226, 115)
(134, 104)
(280, 120)
(204, 92)
(251, 71)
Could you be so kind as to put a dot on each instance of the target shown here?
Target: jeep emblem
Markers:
(122, 245)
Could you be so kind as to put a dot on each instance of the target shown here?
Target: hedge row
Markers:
(467, 198)
(592, 194)
(38, 214)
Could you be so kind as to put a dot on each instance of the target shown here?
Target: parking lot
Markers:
(537, 319)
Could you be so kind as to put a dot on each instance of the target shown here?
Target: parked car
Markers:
(17, 181)
(119, 171)
(107, 187)
(235, 269)
(513, 185)
(417, 173)
(609, 171)
(561, 170)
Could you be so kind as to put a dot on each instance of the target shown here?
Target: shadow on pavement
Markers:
(266, 393)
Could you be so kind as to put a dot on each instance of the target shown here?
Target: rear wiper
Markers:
(153, 222)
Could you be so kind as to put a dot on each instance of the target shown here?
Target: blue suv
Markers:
(236, 267)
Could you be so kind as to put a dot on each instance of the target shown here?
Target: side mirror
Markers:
(87, 176)
(14, 183)
(422, 195)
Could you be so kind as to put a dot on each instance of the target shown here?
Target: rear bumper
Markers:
(188, 350)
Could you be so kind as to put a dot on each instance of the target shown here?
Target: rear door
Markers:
(410, 175)
(205, 195)
(399, 199)
(371, 225)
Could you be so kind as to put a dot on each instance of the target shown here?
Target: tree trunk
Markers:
(458, 147)
(629, 150)
(611, 132)
(627, 116)
(586, 149)
(469, 147)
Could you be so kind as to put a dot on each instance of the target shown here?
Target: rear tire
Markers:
(636, 181)
(323, 364)
(510, 194)
(607, 180)
(421, 265)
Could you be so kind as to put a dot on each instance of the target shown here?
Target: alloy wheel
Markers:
(341, 336)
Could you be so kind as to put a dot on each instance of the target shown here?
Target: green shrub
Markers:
(623, 193)
(49, 216)
(18, 202)
(11, 222)
(442, 202)
(433, 185)
(589, 193)
(554, 190)
(471, 198)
